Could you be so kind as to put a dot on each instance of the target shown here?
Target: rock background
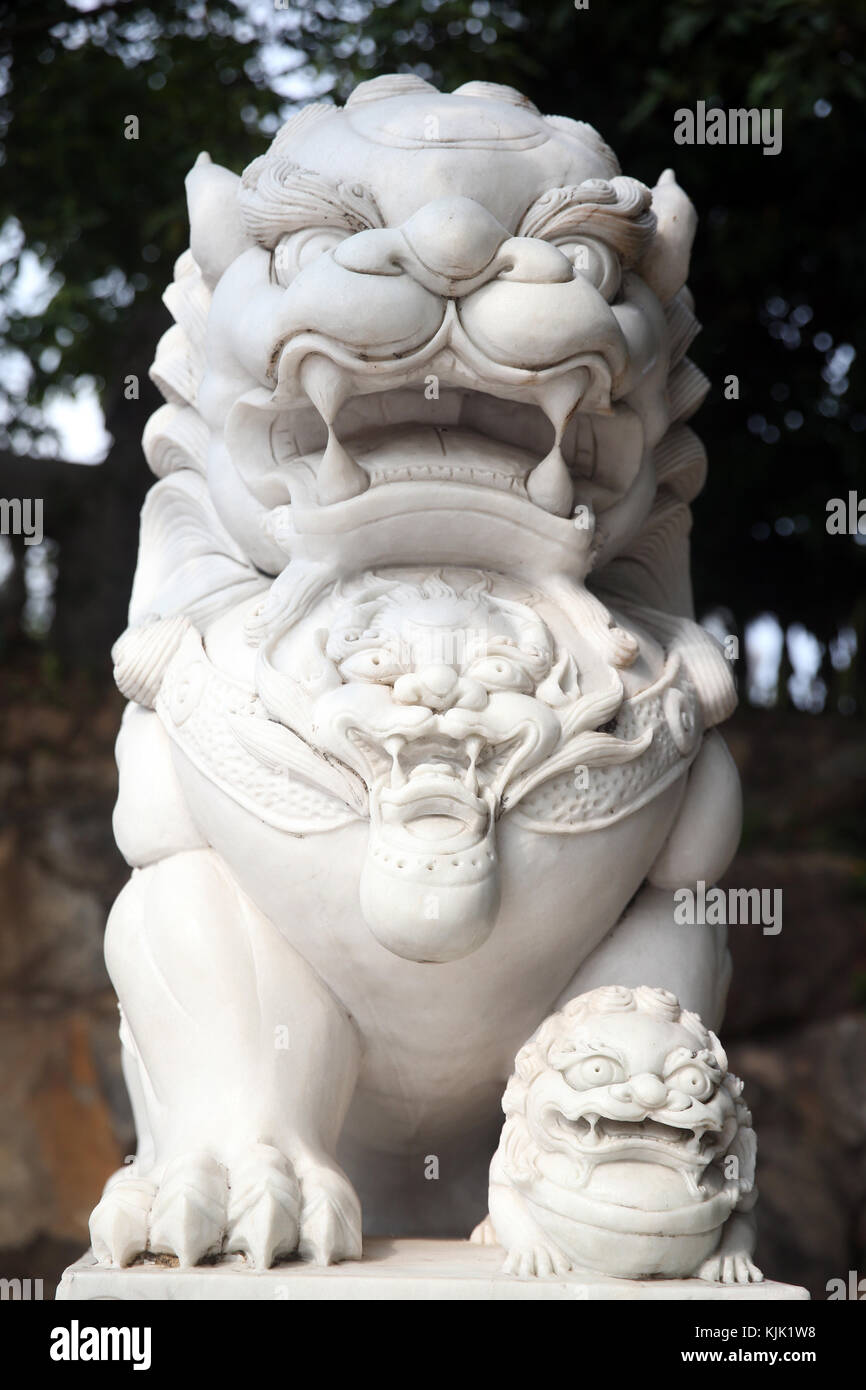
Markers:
(795, 1030)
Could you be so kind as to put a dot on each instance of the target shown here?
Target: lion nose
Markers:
(648, 1090)
(433, 686)
(455, 238)
(452, 247)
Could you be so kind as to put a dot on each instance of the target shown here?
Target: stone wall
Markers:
(796, 1027)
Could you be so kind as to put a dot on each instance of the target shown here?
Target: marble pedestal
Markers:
(402, 1270)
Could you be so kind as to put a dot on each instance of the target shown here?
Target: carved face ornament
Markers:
(443, 695)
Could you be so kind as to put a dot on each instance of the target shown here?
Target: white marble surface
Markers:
(394, 1270)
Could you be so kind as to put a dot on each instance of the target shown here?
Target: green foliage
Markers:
(106, 212)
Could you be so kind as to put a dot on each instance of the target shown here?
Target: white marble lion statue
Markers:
(420, 737)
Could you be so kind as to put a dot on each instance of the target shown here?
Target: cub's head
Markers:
(623, 1077)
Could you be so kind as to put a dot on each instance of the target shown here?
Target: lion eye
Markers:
(375, 664)
(692, 1081)
(499, 673)
(296, 250)
(594, 1071)
(595, 260)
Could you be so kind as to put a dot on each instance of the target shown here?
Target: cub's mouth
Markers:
(600, 1138)
(600, 1130)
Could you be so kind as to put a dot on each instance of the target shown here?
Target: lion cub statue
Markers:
(626, 1148)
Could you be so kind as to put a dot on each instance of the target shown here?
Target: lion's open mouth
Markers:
(339, 381)
(601, 1135)
(433, 801)
(463, 437)
(434, 806)
(434, 787)
(430, 888)
(345, 442)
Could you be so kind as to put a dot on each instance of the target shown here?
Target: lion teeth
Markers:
(549, 484)
(339, 476)
(394, 747)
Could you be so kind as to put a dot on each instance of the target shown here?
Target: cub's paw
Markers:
(730, 1268)
(536, 1261)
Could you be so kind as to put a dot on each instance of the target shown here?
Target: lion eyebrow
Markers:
(617, 211)
(683, 1054)
(278, 196)
(593, 1047)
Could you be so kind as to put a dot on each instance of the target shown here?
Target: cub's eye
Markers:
(598, 262)
(594, 1071)
(374, 664)
(692, 1081)
(498, 673)
(297, 249)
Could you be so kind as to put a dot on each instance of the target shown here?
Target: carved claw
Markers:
(330, 1217)
(118, 1225)
(264, 1205)
(536, 1261)
(728, 1267)
(189, 1214)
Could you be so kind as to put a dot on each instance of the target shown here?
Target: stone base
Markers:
(405, 1270)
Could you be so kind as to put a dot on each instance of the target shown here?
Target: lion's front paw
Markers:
(183, 1215)
(729, 1267)
(536, 1261)
(261, 1207)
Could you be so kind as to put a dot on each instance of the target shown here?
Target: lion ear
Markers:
(719, 1052)
(216, 233)
(664, 266)
(514, 1096)
(526, 1063)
